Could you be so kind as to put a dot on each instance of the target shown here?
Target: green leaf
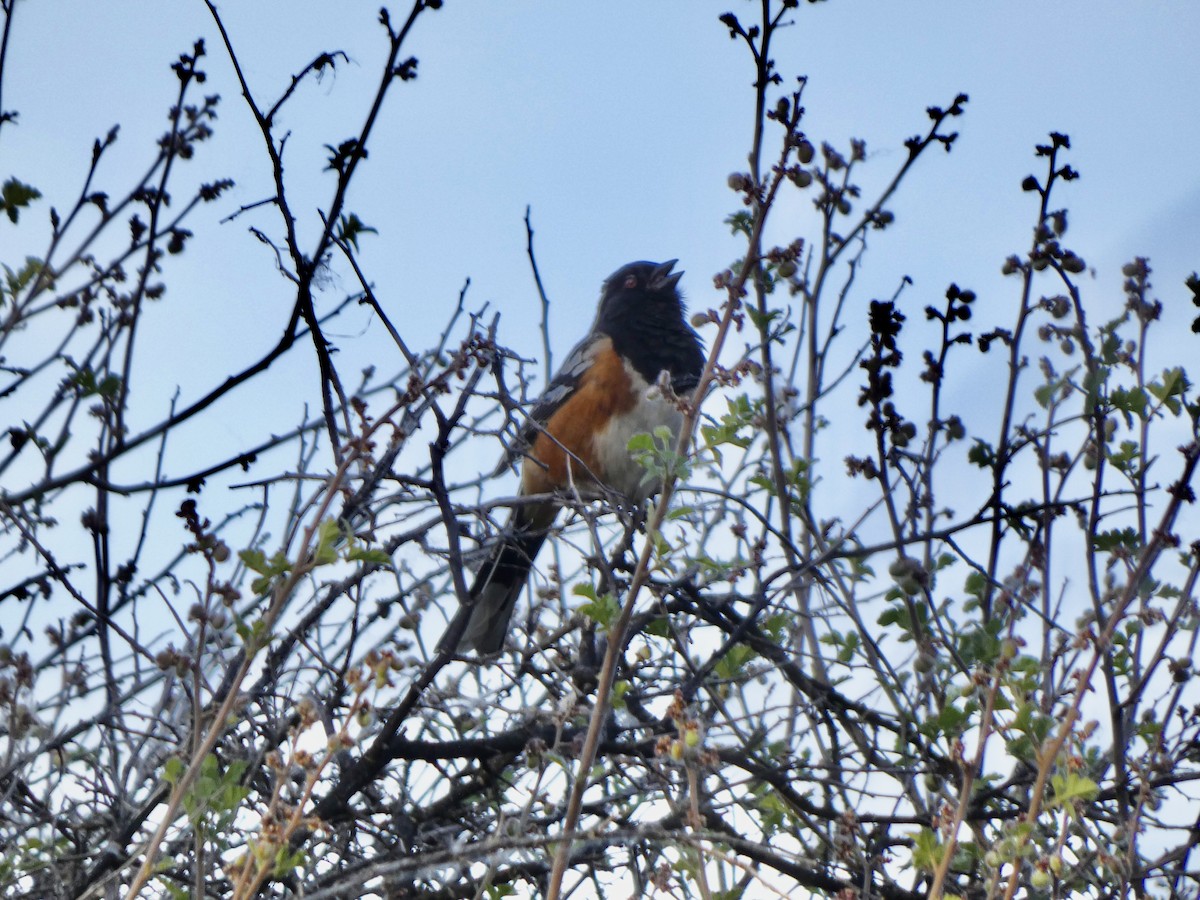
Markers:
(640, 443)
(1173, 385)
(1125, 458)
(847, 644)
(975, 584)
(656, 454)
(740, 222)
(927, 850)
(173, 770)
(662, 547)
(1107, 541)
(16, 195)
(1110, 345)
(603, 610)
(773, 812)
(288, 860)
(109, 386)
(981, 454)
(85, 380)
(256, 637)
(658, 627)
(728, 430)
(328, 534)
(776, 627)
(1092, 382)
(851, 646)
(1044, 394)
(944, 561)
(371, 556)
(950, 721)
(254, 560)
(14, 282)
(619, 690)
(350, 227)
(1130, 401)
(1070, 788)
(762, 321)
(978, 646)
(764, 482)
(734, 661)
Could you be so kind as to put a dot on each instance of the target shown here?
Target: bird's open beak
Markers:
(663, 279)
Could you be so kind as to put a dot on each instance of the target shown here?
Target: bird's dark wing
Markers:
(560, 388)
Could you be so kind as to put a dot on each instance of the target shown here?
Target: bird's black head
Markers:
(640, 283)
(642, 312)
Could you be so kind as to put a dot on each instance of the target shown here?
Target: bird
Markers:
(608, 389)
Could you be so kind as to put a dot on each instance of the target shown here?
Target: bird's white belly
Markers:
(623, 473)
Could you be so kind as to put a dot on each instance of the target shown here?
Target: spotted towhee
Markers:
(609, 388)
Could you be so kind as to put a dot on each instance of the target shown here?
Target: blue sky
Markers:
(618, 122)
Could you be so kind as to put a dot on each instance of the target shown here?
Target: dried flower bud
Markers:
(739, 181)
(1073, 263)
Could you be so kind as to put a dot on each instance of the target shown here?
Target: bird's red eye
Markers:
(630, 281)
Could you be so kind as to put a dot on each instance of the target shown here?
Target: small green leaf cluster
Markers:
(602, 609)
(214, 796)
(656, 454)
(15, 195)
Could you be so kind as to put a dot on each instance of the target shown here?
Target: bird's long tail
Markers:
(499, 580)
